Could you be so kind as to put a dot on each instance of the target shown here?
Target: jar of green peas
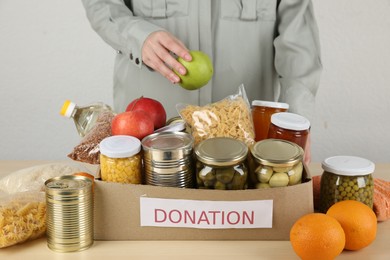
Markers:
(346, 178)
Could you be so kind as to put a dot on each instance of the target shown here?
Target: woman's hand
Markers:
(157, 54)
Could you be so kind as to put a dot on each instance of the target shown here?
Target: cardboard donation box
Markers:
(145, 212)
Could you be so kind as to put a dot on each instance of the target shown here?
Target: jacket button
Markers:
(137, 61)
(119, 52)
(131, 56)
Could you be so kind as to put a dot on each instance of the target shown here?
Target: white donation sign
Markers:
(206, 214)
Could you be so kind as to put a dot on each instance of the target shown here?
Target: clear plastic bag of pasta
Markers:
(229, 117)
(22, 217)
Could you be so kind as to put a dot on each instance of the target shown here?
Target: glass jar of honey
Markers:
(291, 127)
(261, 114)
(346, 178)
(221, 164)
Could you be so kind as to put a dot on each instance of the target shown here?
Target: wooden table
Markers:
(379, 249)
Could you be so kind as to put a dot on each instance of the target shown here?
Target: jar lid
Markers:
(167, 141)
(263, 103)
(120, 146)
(290, 121)
(221, 151)
(348, 165)
(67, 108)
(277, 152)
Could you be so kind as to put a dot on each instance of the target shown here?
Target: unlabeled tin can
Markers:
(69, 217)
(168, 159)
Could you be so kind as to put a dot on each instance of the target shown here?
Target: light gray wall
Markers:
(49, 53)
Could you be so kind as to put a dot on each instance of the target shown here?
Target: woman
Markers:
(271, 46)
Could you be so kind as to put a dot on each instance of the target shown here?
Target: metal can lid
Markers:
(221, 151)
(348, 165)
(277, 152)
(68, 183)
(272, 104)
(164, 141)
(290, 121)
(120, 146)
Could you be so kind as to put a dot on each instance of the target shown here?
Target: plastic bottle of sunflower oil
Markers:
(84, 117)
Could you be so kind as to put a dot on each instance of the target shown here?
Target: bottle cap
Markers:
(67, 108)
(120, 146)
(290, 121)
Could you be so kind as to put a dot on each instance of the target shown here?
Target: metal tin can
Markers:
(168, 159)
(346, 178)
(275, 163)
(221, 164)
(69, 215)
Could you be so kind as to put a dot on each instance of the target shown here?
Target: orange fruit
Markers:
(358, 221)
(317, 236)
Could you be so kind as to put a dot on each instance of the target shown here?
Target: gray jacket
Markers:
(271, 46)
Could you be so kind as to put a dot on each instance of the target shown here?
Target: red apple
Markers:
(135, 123)
(152, 107)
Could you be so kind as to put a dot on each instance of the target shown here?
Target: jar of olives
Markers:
(346, 178)
(221, 164)
(275, 163)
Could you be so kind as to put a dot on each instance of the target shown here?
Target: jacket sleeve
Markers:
(297, 55)
(118, 27)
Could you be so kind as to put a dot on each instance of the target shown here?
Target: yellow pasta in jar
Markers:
(225, 118)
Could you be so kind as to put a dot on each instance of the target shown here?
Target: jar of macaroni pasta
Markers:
(120, 159)
(275, 163)
(221, 164)
(291, 127)
(346, 178)
(261, 114)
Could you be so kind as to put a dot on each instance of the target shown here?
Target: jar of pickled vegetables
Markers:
(261, 114)
(120, 159)
(289, 126)
(346, 178)
(275, 163)
(221, 164)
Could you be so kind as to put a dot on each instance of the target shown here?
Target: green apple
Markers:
(199, 71)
